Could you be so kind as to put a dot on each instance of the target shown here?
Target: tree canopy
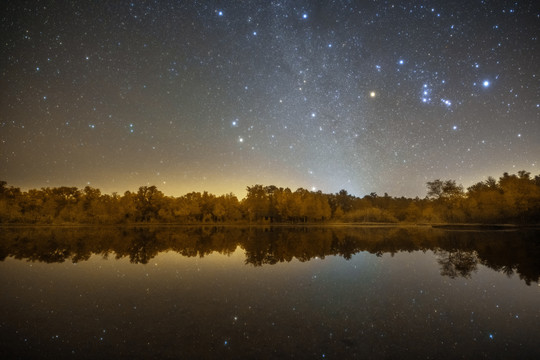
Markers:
(510, 199)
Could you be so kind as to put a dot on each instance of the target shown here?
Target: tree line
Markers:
(510, 199)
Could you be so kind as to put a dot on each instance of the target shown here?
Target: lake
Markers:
(275, 292)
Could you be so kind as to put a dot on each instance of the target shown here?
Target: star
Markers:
(287, 86)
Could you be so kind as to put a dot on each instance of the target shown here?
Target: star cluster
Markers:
(371, 96)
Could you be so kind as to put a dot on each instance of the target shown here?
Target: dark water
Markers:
(269, 293)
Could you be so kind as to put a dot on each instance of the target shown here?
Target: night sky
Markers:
(366, 96)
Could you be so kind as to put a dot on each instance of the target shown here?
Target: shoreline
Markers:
(441, 226)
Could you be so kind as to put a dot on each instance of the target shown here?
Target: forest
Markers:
(512, 199)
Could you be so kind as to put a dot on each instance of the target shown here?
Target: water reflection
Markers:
(458, 253)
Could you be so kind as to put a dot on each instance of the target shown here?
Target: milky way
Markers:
(366, 96)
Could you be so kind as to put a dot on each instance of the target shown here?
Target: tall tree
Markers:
(148, 202)
(256, 202)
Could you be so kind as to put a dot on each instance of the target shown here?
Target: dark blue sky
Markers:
(367, 96)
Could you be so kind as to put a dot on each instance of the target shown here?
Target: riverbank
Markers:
(443, 226)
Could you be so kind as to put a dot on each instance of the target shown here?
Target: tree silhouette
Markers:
(148, 203)
(511, 199)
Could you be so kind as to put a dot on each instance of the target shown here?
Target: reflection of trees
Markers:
(457, 263)
(143, 248)
(458, 253)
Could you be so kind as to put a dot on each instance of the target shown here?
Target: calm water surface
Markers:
(269, 293)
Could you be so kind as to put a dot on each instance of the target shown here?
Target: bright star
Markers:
(372, 94)
(486, 83)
